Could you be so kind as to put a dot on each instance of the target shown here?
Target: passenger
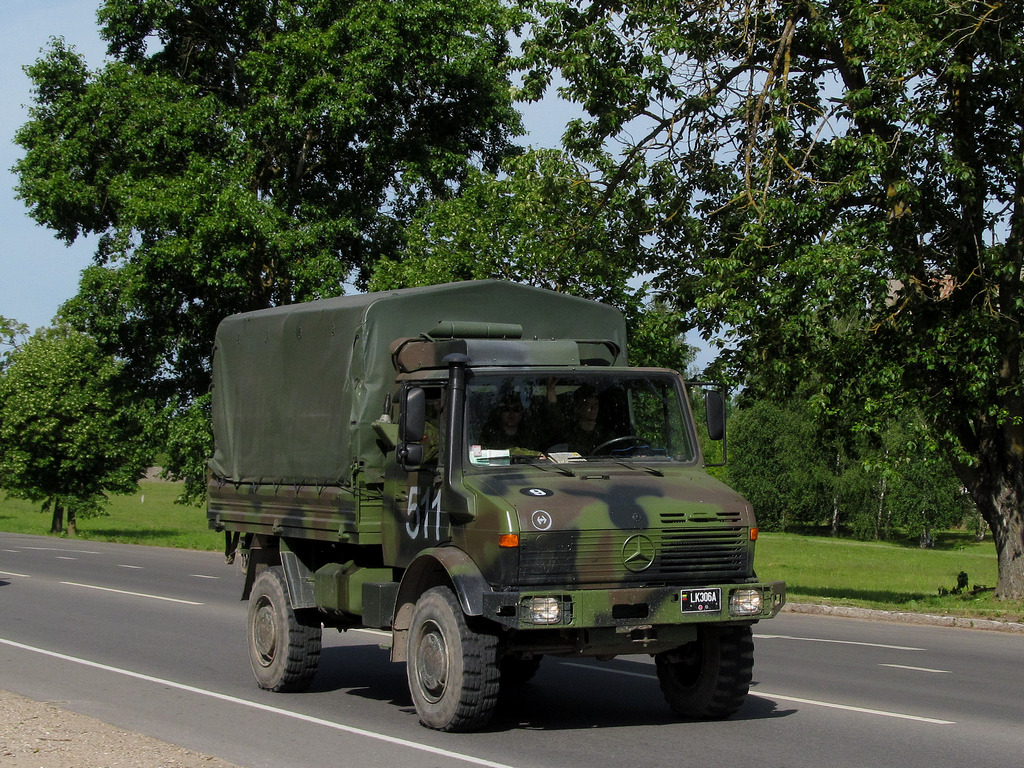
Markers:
(504, 428)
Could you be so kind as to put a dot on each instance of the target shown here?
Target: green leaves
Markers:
(239, 155)
(69, 433)
(801, 165)
(540, 222)
(837, 187)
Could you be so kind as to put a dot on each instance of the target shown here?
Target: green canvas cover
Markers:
(297, 388)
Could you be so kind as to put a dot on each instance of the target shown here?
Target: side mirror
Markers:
(714, 410)
(412, 425)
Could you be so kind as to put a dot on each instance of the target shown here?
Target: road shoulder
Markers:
(904, 617)
(34, 734)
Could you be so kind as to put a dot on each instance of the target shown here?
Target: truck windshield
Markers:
(578, 418)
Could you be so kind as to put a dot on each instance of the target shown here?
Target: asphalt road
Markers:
(153, 640)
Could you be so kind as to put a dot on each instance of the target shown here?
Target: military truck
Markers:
(474, 469)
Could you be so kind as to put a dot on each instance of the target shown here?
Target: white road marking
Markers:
(780, 697)
(848, 708)
(133, 567)
(132, 594)
(918, 669)
(62, 549)
(839, 642)
(12, 573)
(203, 576)
(65, 557)
(261, 707)
(610, 670)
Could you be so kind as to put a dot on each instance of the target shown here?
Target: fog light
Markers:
(745, 602)
(543, 610)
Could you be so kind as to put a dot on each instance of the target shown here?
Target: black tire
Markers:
(517, 671)
(709, 678)
(452, 670)
(284, 654)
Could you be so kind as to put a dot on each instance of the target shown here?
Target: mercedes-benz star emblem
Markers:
(638, 553)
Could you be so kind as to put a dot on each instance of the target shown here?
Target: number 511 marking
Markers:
(419, 512)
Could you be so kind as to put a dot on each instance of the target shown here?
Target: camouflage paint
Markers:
(617, 541)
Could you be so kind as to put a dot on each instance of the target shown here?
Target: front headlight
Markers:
(745, 602)
(546, 610)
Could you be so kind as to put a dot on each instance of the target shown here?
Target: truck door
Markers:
(413, 519)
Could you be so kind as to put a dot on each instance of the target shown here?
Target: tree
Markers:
(69, 434)
(244, 154)
(922, 494)
(840, 185)
(188, 446)
(540, 222)
(779, 463)
(798, 471)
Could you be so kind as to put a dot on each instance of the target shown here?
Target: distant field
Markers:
(887, 576)
(815, 568)
(148, 517)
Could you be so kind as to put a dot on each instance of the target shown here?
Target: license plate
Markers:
(701, 600)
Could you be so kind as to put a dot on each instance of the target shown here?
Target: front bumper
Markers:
(627, 609)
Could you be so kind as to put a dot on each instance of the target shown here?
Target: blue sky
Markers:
(37, 271)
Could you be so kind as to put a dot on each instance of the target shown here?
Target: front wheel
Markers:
(452, 670)
(284, 654)
(709, 678)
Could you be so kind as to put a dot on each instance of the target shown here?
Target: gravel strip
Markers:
(37, 735)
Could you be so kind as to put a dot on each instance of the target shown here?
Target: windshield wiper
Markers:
(532, 461)
(555, 468)
(643, 467)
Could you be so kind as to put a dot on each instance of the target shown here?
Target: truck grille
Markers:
(703, 552)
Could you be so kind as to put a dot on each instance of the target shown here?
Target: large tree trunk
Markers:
(1004, 512)
(997, 487)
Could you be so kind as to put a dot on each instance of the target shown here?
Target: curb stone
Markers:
(961, 622)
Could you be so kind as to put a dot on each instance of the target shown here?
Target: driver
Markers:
(584, 433)
(583, 437)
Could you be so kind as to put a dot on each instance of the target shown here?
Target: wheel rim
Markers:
(432, 663)
(264, 633)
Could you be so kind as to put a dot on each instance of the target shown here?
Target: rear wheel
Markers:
(709, 678)
(452, 670)
(284, 654)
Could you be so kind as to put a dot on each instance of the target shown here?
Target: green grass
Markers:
(148, 517)
(887, 576)
(819, 569)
